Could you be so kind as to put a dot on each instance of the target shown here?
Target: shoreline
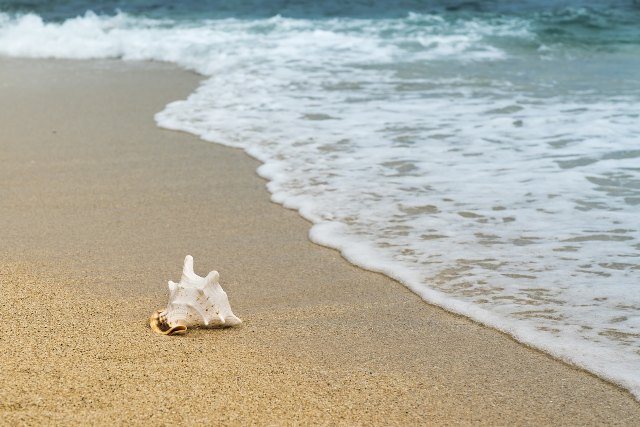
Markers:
(100, 209)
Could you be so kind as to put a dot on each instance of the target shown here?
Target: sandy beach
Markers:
(99, 206)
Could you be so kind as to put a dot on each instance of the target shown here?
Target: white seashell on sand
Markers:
(194, 301)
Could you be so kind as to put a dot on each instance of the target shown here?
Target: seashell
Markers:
(195, 301)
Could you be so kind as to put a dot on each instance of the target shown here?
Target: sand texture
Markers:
(98, 208)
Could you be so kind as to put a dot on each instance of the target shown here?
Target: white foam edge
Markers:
(571, 351)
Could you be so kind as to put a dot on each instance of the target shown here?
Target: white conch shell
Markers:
(195, 301)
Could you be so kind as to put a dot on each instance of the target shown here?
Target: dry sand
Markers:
(98, 208)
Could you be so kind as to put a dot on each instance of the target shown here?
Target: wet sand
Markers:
(98, 208)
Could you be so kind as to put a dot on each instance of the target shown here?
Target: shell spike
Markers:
(232, 320)
(188, 274)
(173, 287)
(212, 278)
(187, 269)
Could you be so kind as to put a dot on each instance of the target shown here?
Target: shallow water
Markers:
(487, 156)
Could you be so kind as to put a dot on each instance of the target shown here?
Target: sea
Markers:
(486, 154)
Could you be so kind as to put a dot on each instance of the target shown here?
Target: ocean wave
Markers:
(194, 44)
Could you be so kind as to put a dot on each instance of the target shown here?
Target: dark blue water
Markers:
(590, 24)
(58, 10)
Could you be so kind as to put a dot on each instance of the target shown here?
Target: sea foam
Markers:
(455, 155)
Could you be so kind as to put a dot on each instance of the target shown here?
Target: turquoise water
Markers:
(485, 155)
